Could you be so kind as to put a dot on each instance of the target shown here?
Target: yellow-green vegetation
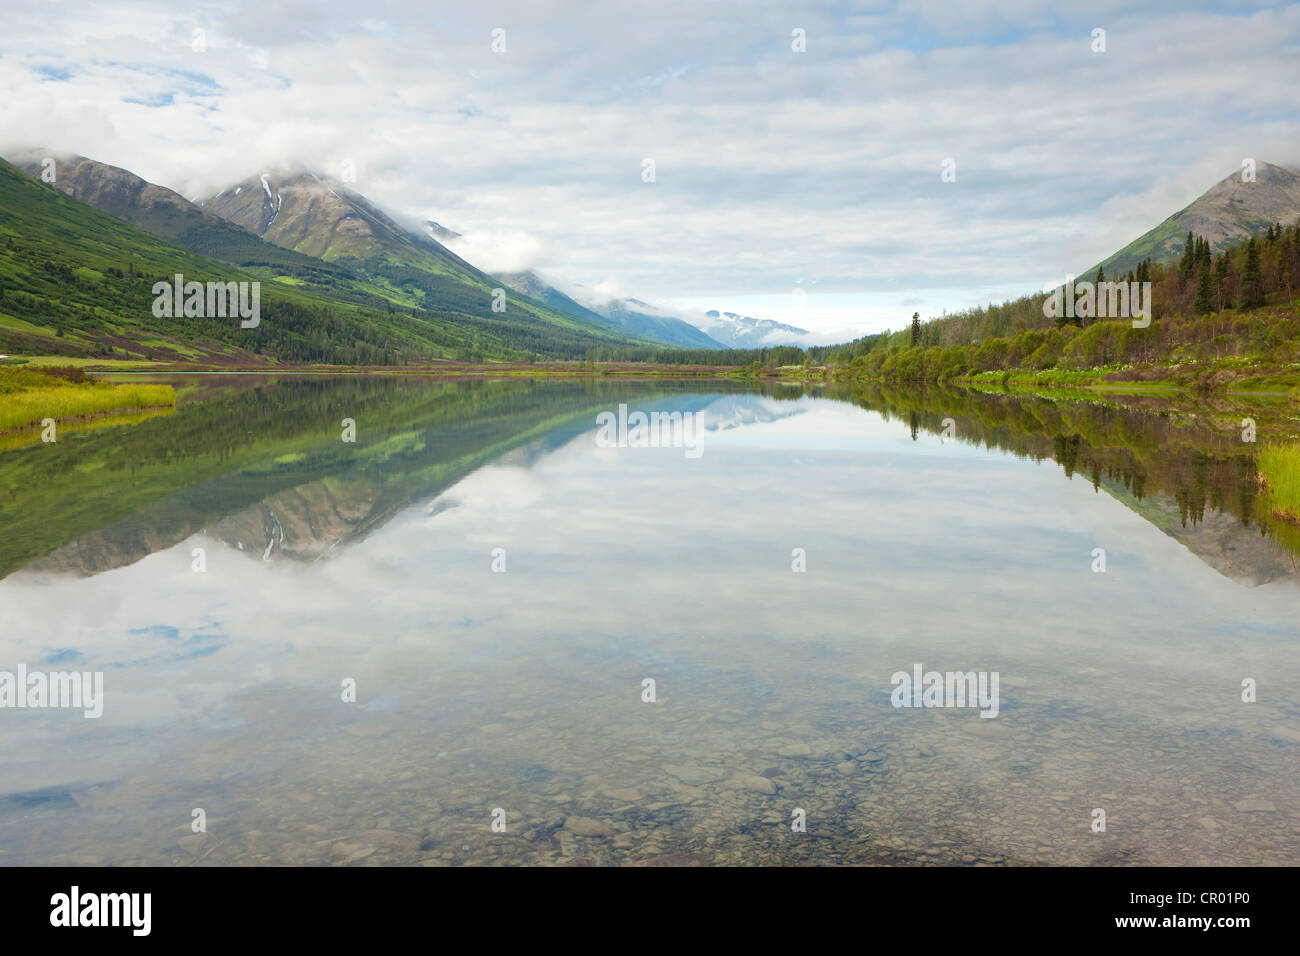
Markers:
(80, 361)
(28, 396)
(32, 436)
(1279, 470)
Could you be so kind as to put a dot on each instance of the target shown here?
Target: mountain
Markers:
(630, 315)
(659, 328)
(530, 284)
(1227, 213)
(320, 217)
(743, 332)
(641, 318)
(441, 233)
(77, 281)
(163, 212)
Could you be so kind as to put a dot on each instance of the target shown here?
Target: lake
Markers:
(496, 628)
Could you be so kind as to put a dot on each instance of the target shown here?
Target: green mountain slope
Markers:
(167, 214)
(77, 281)
(1227, 213)
(321, 217)
(532, 285)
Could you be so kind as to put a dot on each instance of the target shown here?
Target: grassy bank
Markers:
(1279, 469)
(29, 396)
(1215, 376)
(1225, 375)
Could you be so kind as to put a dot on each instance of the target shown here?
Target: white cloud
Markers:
(498, 252)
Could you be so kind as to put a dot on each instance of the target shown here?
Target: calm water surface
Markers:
(522, 690)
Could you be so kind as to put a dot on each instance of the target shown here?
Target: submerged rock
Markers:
(586, 826)
(752, 781)
(390, 838)
(625, 793)
(693, 775)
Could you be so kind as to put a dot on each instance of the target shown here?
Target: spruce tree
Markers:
(916, 329)
(1204, 292)
(1221, 273)
(1188, 258)
(1252, 281)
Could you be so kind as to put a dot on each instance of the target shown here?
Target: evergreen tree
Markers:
(1188, 258)
(1204, 292)
(916, 329)
(1221, 273)
(1252, 280)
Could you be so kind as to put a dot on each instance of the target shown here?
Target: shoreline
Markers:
(1277, 383)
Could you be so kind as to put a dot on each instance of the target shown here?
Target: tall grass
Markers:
(1279, 467)
(27, 397)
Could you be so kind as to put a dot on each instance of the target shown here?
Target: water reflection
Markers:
(1180, 463)
(522, 689)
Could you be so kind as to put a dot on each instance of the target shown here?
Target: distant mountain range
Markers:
(1227, 213)
(688, 329)
(743, 332)
(642, 318)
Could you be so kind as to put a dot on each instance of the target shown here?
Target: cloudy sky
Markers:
(773, 170)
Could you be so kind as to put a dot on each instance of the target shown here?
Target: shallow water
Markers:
(480, 690)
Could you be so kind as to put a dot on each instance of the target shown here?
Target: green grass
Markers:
(1279, 466)
(28, 397)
